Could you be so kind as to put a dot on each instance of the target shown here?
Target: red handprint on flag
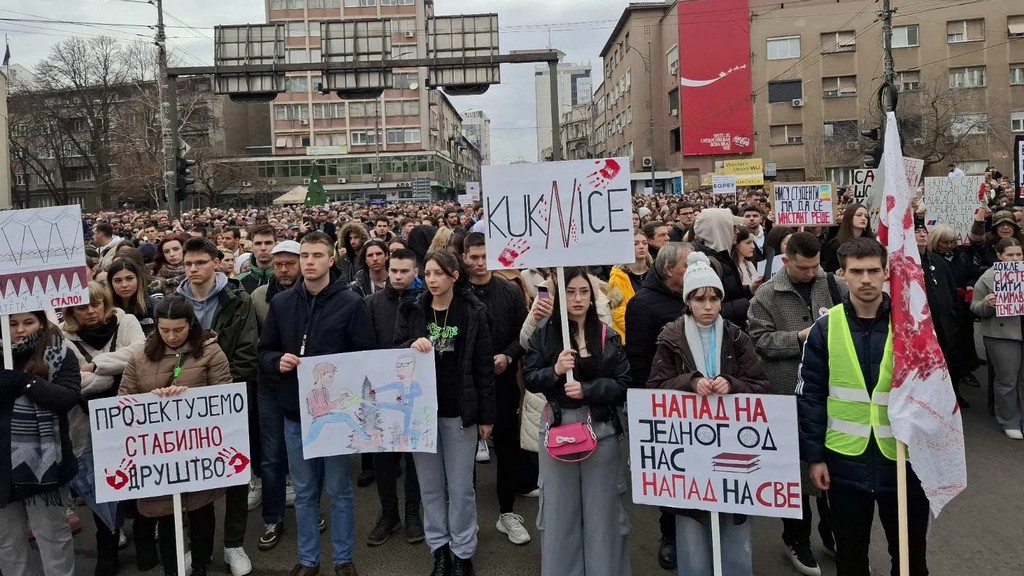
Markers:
(515, 250)
(607, 171)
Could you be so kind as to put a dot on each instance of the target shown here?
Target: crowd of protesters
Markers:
(716, 301)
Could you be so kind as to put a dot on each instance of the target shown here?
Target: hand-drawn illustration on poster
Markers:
(574, 213)
(42, 259)
(145, 445)
(372, 401)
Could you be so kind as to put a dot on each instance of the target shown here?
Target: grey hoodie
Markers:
(205, 309)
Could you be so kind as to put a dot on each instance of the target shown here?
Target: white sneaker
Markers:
(483, 455)
(255, 493)
(238, 561)
(1014, 434)
(289, 493)
(511, 524)
(188, 563)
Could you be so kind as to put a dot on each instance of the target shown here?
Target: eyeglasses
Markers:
(196, 264)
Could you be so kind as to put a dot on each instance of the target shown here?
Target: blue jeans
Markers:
(309, 478)
(274, 466)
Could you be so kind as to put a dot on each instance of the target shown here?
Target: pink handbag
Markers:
(576, 439)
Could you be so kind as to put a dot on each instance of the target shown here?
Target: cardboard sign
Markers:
(724, 184)
(1008, 282)
(867, 185)
(748, 171)
(914, 168)
(803, 204)
(473, 191)
(372, 401)
(575, 213)
(145, 446)
(42, 259)
(952, 201)
(737, 453)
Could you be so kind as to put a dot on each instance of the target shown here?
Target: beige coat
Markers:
(109, 365)
(143, 375)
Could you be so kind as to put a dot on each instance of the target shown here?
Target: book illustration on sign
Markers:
(736, 463)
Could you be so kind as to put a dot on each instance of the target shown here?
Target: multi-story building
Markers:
(815, 68)
(577, 129)
(477, 128)
(405, 145)
(574, 88)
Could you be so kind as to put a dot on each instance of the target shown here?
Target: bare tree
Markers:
(215, 174)
(821, 153)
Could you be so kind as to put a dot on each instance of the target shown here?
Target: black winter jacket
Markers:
(601, 394)
(647, 312)
(476, 357)
(383, 306)
(506, 312)
(870, 471)
(737, 296)
(334, 321)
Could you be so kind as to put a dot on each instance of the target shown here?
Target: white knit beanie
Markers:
(699, 274)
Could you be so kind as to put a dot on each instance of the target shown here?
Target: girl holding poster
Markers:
(581, 500)
(36, 394)
(1004, 344)
(179, 355)
(704, 353)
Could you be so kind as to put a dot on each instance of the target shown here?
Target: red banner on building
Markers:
(714, 77)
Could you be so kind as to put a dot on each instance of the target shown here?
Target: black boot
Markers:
(667, 553)
(462, 567)
(107, 563)
(388, 522)
(413, 524)
(442, 562)
(146, 554)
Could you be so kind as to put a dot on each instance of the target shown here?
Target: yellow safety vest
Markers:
(853, 415)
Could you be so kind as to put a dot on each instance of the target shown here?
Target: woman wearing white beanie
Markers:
(703, 353)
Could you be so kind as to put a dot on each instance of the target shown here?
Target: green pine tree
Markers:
(315, 194)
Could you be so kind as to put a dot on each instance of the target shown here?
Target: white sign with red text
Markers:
(145, 445)
(574, 213)
(737, 453)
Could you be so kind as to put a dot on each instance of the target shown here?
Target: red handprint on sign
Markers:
(119, 478)
(235, 460)
(513, 251)
(607, 171)
(126, 404)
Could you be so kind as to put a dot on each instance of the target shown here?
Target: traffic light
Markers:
(184, 178)
(873, 156)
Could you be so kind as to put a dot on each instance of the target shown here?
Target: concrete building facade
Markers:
(575, 87)
(477, 128)
(577, 130)
(816, 67)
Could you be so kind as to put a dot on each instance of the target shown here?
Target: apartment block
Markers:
(577, 132)
(575, 87)
(406, 145)
(477, 128)
(815, 68)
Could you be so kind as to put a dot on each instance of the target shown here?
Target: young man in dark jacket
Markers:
(402, 288)
(658, 302)
(506, 310)
(223, 306)
(320, 315)
(844, 425)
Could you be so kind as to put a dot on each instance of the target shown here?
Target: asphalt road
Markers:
(979, 533)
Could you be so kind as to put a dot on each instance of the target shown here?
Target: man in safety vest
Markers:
(842, 399)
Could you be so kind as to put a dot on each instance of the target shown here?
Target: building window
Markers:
(971, 77)
(785, 91)
(278, 4)
(784, 48)
(969, 125)
(839, 176)
(1016, 74)
(674, 141)
(838, 86)
(839, 131)
(835, 42)
(397, 2)
(629, 114)
(404, 52)
(1015, 26)
(672, 60)
(673, 102)
(404, 136)
(296, 56)
(403, 80)
(296, 84)
(783, 134)
(1017, 121)
(78, 175)
(291, 112)
(905, 36)
(363, 137)
(315, 4)
(296, 4)
(332, 110)
(22, 179)
(360, 3)
(908, 80)
(297, 29)
(402, 108)
(958, 31)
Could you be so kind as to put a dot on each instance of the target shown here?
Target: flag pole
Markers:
(901, 504)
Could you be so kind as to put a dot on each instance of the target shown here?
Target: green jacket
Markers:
(235, 325)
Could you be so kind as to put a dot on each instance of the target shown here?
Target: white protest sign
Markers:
(473, 191)
(914, 168)
(737, 453)
(464, 200)
(723, 184)
(145, 446)
(372, 401)
(777, 265)
(803, 204)
(952, 201)
(42, 259)
(867, 185)
(1008, 284)
(574, 213)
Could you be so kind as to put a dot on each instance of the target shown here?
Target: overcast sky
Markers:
(577, 27)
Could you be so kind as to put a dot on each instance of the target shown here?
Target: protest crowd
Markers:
(718, 301)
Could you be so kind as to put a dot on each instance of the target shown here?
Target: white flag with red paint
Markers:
(922, 406)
